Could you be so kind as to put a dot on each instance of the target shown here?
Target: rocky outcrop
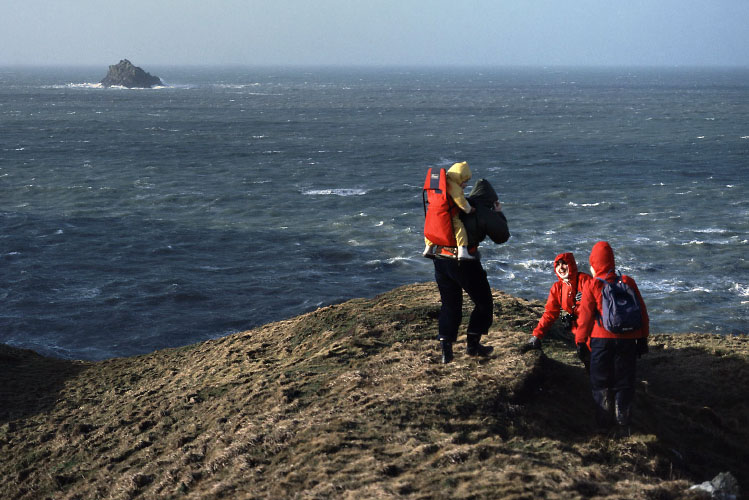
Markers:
(125, 74)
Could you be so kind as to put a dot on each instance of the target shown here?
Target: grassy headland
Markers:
(350, 401)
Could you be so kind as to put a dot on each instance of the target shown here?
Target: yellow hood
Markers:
(459, 172)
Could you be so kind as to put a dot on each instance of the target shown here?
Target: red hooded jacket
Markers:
(602, 262)
(562, 295)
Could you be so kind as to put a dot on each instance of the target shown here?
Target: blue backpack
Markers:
(620, 308)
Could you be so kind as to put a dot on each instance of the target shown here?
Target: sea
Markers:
(133, 220)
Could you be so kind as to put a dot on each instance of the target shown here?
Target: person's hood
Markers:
(459, 172)
(569, 259)
(602, 259)
(483, 194)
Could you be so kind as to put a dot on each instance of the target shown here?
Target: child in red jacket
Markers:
(613, 355)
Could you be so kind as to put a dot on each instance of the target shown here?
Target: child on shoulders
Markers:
(457, 177)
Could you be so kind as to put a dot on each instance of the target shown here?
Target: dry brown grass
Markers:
(349, 401)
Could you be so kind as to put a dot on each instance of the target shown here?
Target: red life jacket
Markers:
(439, 209)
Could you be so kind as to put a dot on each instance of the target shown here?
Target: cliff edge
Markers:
(350, 401)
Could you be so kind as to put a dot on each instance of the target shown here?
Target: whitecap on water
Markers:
(79, 86)
(78, 293)
(573, 204)
(335, 192)
(534, 264)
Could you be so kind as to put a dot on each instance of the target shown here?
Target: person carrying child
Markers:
(453, 275)
(457, 177)
(564, 295)
(613, 316)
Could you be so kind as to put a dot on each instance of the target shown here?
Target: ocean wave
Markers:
(236, 85)
(743, 290)
(87, 85)
(535, 264)
(726, 241)
(334, 192)
(77, 86)
(670, 287)
(573, 204)
(75, 294)
(393, 261)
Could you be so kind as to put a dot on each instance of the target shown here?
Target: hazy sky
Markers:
(376, 32)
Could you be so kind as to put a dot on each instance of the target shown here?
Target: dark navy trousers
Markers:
(452, 278)
(612, 373)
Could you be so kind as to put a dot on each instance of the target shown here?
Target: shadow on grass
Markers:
(695, 401)
(30, 383)
(692, 399)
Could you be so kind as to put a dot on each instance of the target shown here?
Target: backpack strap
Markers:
(599, 318)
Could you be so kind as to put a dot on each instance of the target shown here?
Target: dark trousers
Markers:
(452, 278)
(612, 377)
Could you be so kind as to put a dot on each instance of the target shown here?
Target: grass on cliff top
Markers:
(350, 401)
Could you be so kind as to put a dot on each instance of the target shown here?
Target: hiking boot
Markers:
(474, 347)
(622, 431)
(622, 413)
(604, 408)
(447, 351)
(464, 255)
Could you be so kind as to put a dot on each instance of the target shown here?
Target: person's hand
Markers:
(497, 206)
(533, 343)
(473, 209)
(583, 353)
(642, 346)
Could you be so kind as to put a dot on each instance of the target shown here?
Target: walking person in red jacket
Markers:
(564, 295)
(613, 353)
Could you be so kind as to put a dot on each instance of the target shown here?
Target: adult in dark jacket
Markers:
(613, 355)
(454, 276)
(487, 219)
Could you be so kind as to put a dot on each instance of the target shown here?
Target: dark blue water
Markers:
(133, 220)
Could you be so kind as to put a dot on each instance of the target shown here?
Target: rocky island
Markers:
(351, 401)
(125, 74)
